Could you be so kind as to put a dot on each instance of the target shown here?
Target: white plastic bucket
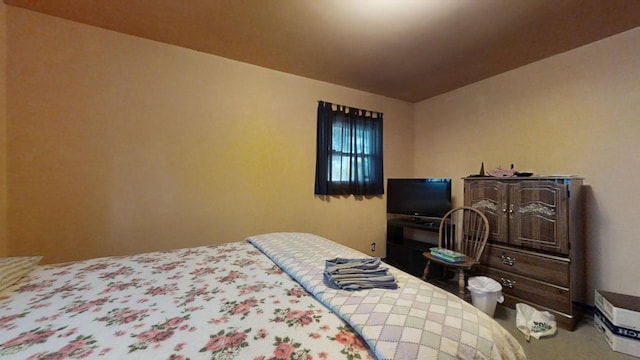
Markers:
(485, 294)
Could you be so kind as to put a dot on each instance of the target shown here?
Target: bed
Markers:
(263, 298)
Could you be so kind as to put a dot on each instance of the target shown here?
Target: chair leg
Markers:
(461, 283)
(426, 271)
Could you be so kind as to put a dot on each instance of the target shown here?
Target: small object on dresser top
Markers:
(501, 172)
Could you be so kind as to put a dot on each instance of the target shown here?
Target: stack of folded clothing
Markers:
(357, 274)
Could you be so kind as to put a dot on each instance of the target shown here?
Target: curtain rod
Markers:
(351, 107)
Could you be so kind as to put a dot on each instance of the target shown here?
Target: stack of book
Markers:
(447, 255)
(617, 316)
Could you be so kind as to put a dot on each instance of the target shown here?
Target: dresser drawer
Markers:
(549, 269)
(554, 297)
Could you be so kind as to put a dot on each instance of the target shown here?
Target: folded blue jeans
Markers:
(357, 274)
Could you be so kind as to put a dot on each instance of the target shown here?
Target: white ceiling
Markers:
(405, 49)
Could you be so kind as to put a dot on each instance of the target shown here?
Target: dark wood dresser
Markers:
(535, 247)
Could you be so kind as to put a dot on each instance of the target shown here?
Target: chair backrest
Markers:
(464, 229)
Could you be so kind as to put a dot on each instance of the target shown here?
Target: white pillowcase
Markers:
(13, 269)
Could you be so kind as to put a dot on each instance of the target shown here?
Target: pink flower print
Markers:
(297, 317)
(261, 334)
(64, 288)
(196, 292)
(80, 308)
(231, 277)
(306, 319)
(154, 291)
(146, 260)
(9, 319)
(275, 269)
(215, 343)
(358, 344)
(48, 356)
(251, 289)
(226, 344)
(72, 346)
(174, 321)
(283, 351)
(33, 287)
(297, 292)
(345, 338)
(245, 262)
(162, 335)
(224, 319)
(124, 271)
(155, 335)
(236, 339)
(129, 315)
(100, 301)
(203, 271)
(242, 308)
(94, 267)
(148, 335)
(34, 336)
(70, 332)
(167, 267)
(294, 314)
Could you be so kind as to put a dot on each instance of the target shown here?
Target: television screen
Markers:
(430, 197)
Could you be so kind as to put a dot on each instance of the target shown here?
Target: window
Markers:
(349, 151)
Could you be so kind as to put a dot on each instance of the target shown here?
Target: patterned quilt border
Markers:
(415, 321)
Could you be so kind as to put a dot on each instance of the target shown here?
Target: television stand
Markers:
(426, 224)
(407, 239)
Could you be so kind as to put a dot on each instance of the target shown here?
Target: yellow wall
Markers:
(3, 133)
(574, 113)
(120, 145)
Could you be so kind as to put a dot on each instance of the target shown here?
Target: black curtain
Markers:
(349, 151)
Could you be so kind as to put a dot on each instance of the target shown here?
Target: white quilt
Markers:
(415, 321)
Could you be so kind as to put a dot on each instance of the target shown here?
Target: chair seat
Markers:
(467, 264)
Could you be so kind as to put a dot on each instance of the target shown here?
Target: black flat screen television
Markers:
(428, 197)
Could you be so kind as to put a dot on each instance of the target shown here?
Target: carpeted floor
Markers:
(585, 343)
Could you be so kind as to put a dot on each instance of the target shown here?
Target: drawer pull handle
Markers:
(508, 283)
(507, 260)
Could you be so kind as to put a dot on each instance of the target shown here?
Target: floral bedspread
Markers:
(415, 321)
(212, 302)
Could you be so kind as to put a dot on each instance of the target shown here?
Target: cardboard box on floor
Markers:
(617, 316)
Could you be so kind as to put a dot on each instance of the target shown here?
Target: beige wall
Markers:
(120, 145)
(575, 113)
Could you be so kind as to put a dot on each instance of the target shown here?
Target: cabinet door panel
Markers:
(490, 197)
(538, 216)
